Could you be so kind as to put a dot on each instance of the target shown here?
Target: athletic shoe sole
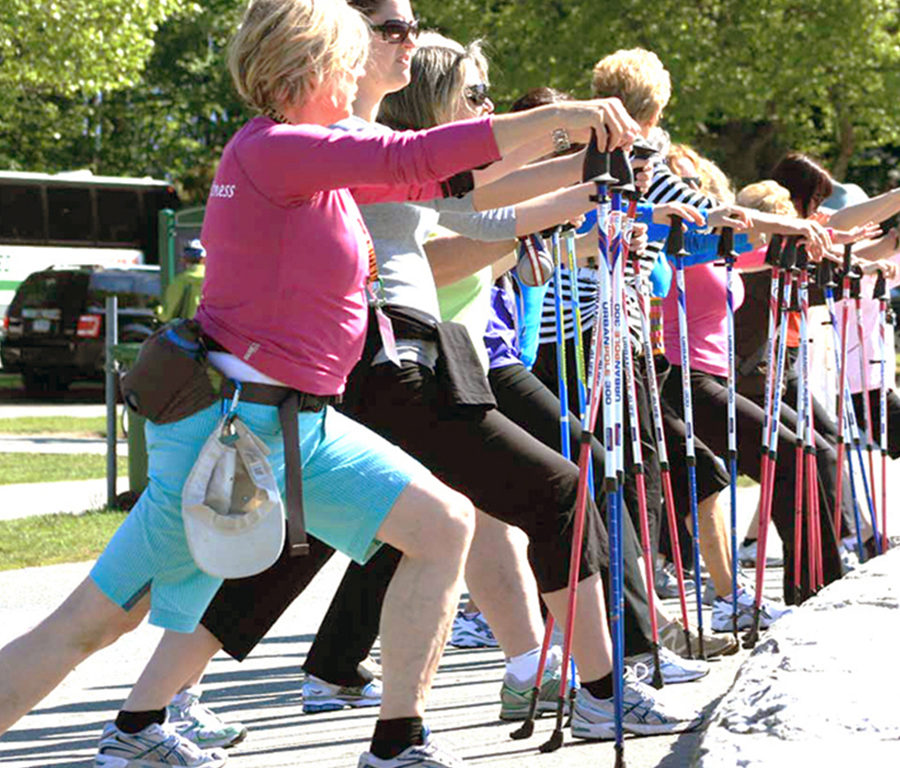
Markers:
(606, 732)
(512, 715)
(108, 761)
(334, 705)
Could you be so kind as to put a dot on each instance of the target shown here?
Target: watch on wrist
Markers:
(561, 141)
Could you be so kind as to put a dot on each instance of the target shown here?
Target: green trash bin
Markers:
(125, 355)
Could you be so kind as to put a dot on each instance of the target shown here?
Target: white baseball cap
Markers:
(232, 509)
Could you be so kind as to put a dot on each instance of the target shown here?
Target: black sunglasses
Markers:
(477, 94)
(692, 181)
(397, 31)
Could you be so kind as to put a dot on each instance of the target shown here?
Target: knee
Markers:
(454, 526)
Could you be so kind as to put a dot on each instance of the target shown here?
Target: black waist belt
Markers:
(289, 402)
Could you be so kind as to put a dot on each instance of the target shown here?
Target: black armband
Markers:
(459, 185)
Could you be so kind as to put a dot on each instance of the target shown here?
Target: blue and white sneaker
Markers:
(769, 612)
(471, 632)
(321, 696)
(673, 668)
(426, 755)
(197, 723)
(645, 714)
(154, 747)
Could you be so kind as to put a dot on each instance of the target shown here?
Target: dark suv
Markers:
(55, 329)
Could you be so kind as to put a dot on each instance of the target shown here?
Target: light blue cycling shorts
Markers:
(351, 479)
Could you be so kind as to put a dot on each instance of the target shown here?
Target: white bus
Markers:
(76, 218)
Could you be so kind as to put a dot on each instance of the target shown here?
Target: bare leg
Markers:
(177, 663)
(500, 579)
(753, 528)
(432, 525)
(591, 642)
(715, 543)
(35, 663)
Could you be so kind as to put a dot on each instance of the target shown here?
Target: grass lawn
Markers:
(48, 425)
(50, 539)
(49, 467)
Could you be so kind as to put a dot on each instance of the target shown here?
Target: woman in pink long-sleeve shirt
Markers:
(285, 299)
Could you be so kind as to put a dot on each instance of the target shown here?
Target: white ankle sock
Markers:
(523, 667)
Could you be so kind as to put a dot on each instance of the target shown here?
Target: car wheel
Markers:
(37, 383)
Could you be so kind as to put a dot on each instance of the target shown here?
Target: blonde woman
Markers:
(285, 303)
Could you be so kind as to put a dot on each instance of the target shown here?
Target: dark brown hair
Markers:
(808, 183)
(365, 7)
(538, 97)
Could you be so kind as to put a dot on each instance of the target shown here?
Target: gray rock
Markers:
(822, 685)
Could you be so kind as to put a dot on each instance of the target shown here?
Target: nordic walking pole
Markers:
(867, 411)
(615, 497)
(527, 727)
(596, 169)
(727, 252)
(664, 470)
(886, 318)
(675, 251)
(844, 414)
(773, 259)
(842, 380)
(799, 270)
(806, 457)
(856, 438)
(770, 445)
(623, 171)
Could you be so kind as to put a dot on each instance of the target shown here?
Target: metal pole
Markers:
(112, 337)
(166, 247)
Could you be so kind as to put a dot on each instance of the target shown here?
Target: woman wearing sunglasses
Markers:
(508, 474)
(285, 298)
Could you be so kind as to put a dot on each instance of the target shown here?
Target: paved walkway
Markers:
(263, 692)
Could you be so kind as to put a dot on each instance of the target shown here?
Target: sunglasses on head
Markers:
(693, 181)
(397, 31)
(476, 94)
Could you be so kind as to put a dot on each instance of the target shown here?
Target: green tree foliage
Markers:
(77, 46)
(140, 87)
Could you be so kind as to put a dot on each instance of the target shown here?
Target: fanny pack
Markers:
(170, 379)
(459, 372)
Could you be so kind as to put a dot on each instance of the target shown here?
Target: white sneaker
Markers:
(674, 669)
(154, 747)
(769, 612)
(197, 723)
(471, 632)
(747, 557)
(426, 755)
(645, 714)
(321, 696)
(665, 581)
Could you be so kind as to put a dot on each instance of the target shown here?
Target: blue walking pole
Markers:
(596, 169)
(727, 252)
(675, 251)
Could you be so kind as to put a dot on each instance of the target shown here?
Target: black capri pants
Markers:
(710, 400)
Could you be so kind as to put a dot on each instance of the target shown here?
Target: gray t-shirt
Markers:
(399, 232)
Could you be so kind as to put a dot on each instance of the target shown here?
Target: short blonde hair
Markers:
(436, 82)
(286, 48)
(713, 180)
(638, 78)
(767, 196)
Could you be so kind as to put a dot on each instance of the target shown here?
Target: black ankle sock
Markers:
(748, 541)
(600, 689)
(391, 737)
(134, 722)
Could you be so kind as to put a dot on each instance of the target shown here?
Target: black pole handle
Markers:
(621, 169)
(789, 253)
(675, 240)
(774, 250)
(726, 244)
(848, 252)
(596, 163)
(802, 262)
(825, 274)
(880, 290)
